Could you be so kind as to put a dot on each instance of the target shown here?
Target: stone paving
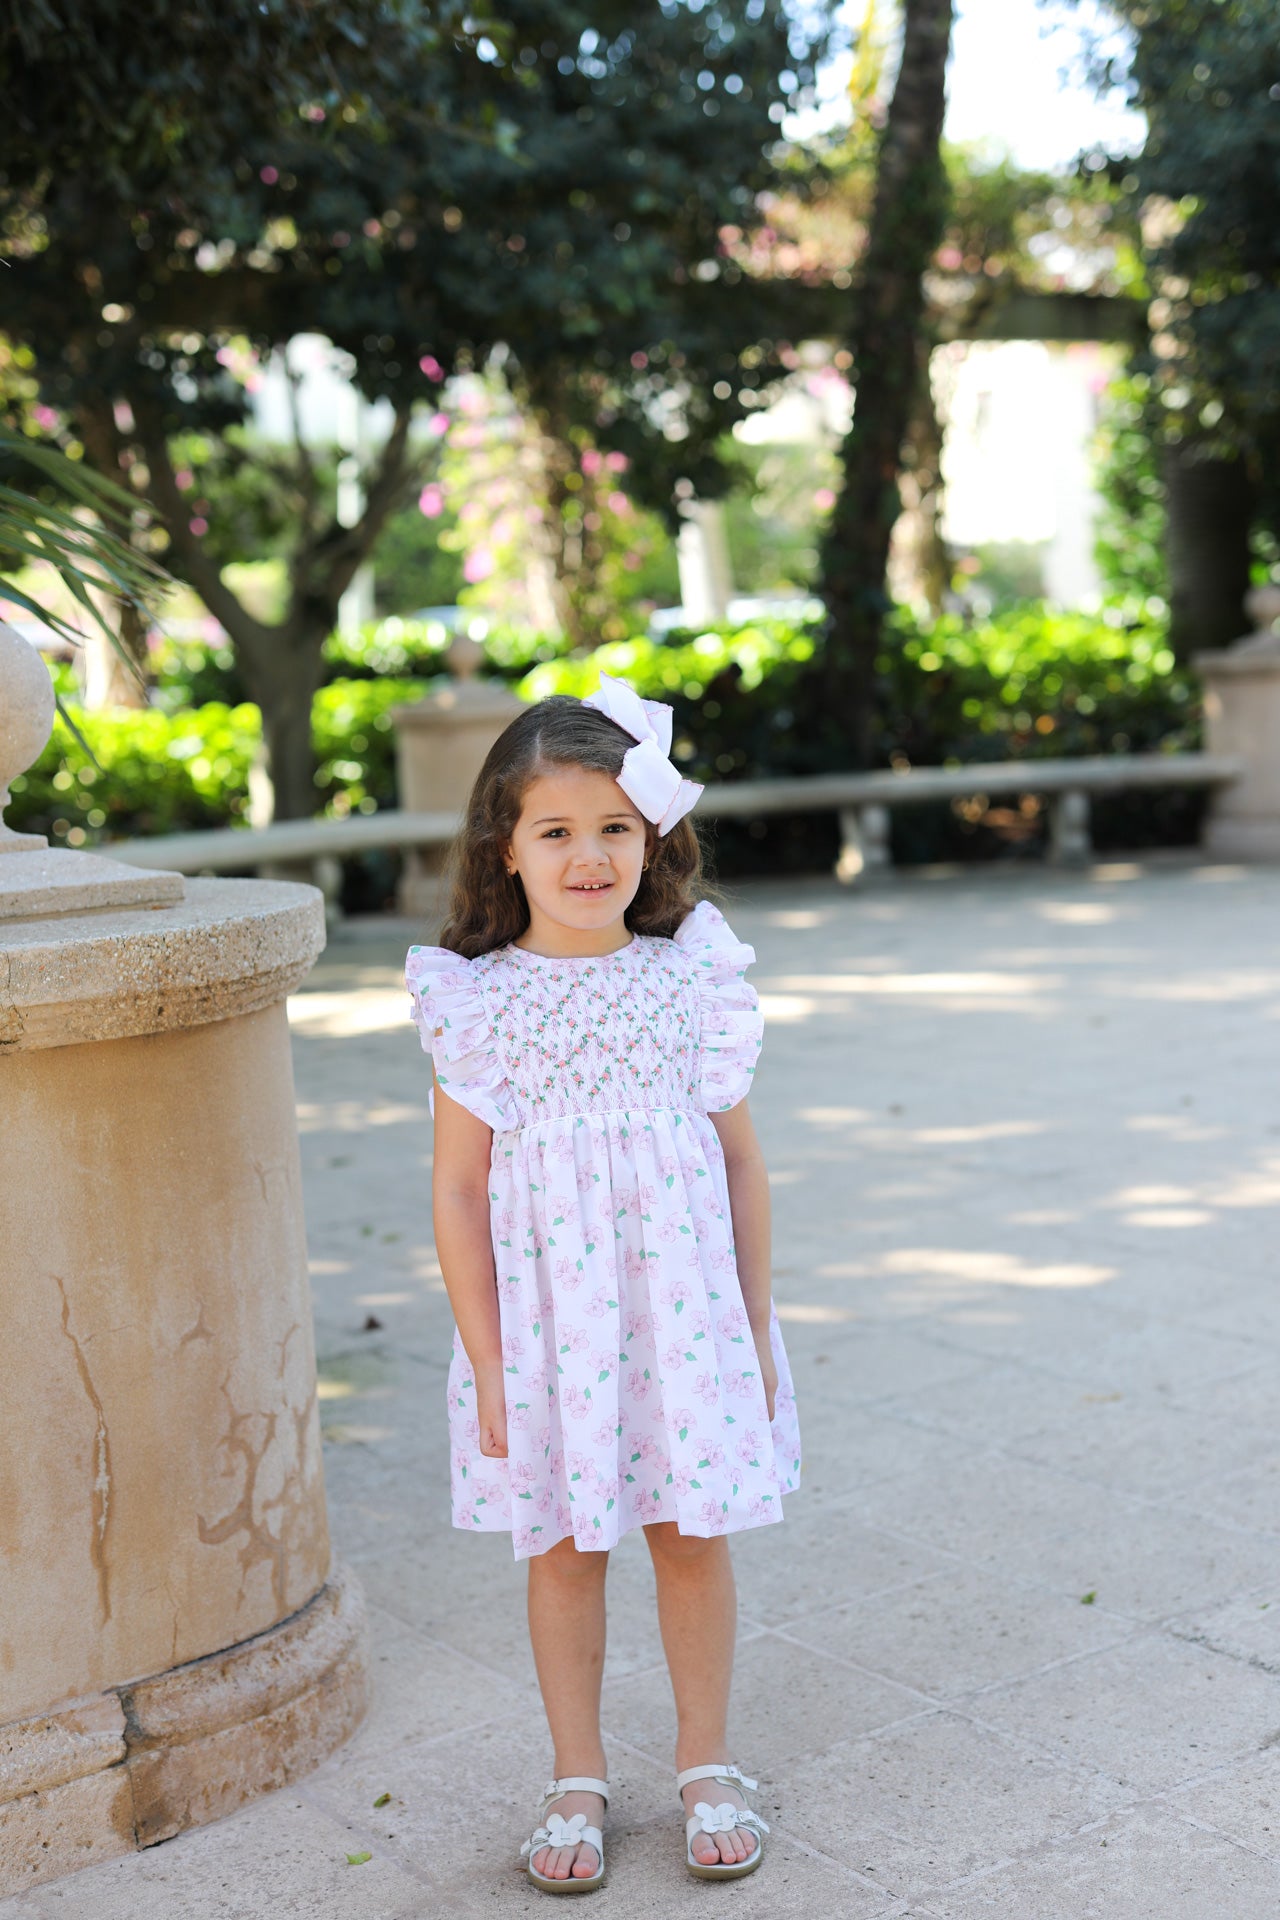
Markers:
(1016, 1651)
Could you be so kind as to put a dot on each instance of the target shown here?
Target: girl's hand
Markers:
(768, 1373)
(491, 1412)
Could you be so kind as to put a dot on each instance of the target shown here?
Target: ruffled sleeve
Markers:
(450, 1017)
(731, 1028)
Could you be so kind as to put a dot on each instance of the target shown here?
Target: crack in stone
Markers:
(261, 1546)
(198, 1332)
(100, 1503)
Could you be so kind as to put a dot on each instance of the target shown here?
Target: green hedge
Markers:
(1028, 684)
(159, 772)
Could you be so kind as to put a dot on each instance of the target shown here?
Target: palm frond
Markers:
(83, 536)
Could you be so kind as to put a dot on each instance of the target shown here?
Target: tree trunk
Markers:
(283, 668)
(920, 563)
(1211, 505)
(109, 678)
(885, 340)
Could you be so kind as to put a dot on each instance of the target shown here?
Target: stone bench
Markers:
(863, 801)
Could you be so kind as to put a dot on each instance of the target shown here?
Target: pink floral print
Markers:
(633, 1393)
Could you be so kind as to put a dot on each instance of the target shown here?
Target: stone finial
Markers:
(26, 721)
(465, 657)
(1262, 604)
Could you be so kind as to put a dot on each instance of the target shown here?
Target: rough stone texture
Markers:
(229, 947)
(143, 1763)
(1025, 1140)
(167, 1344)
(53, 880)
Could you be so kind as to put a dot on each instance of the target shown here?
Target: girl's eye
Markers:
(618, 826)
(553, 833)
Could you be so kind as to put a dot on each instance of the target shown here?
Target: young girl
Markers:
(602, 1219)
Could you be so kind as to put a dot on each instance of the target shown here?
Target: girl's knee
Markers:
(666, 1542)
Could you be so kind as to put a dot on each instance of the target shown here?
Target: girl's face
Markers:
(579, 848)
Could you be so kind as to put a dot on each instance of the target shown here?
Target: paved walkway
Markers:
(1015, 1652)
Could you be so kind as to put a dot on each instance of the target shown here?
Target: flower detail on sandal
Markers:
(556, 1831)
(725, 1817)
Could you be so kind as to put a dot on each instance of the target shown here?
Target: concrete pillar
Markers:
(441, 745)
(173, 1638)
(1242, 714)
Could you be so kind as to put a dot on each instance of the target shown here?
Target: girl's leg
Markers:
(698, 1615)
(566, 1626)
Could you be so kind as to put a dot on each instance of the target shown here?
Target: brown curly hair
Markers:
(487, 905)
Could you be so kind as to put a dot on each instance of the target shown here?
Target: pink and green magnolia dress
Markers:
(632, 1385)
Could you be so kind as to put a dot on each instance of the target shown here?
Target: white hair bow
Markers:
(648, 777)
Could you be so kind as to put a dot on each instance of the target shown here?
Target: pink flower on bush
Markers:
(477, 566)
(431, 502)
(431, 367)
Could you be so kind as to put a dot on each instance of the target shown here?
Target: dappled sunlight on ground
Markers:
(1024, 1149)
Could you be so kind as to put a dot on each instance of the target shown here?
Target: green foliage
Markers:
(1131, 527)
(411, 566)
(159, 772)
(1207, 75)
(1028, 684)
(155, 773)
(60, 513)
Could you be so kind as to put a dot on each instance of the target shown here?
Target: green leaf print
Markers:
(607, 1505)
(697, 1484)
(629, 1478)
(679, 1306)
(671, 1180)
(529, 1496)
(513, 1369)
(603, 1377)
(684, 1433)
(690, 1356)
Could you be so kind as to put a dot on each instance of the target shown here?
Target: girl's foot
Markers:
(576, 1863)
(718, 1849)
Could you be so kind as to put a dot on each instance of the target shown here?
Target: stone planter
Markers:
(1242, 711)
(441, 745)
(172, 1637)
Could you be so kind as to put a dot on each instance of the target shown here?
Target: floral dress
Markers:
(632, 1386)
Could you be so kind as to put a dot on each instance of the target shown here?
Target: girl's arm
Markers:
(460, 1202)
(748, 1184)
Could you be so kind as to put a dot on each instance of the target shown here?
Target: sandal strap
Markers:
(573, 1783)
(726, 1775)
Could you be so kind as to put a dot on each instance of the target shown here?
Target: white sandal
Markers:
(556, 1831)
(721, 1819)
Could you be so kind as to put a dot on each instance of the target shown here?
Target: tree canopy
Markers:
(557, 179)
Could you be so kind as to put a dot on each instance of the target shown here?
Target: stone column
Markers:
(441, 745)
(1242, 711)
(173, 1638)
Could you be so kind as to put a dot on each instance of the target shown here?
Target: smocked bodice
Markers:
(520, 1038)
